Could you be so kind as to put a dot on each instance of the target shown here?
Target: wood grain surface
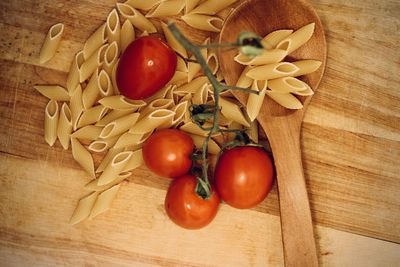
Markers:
(350, 142)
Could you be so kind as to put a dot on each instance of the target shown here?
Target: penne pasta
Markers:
(113, 115)
(74, 72)
(166, 8)
(244, 81)
(252, 132)
(104, 201)
(178, 76)
(286, 100)
(212, 148)
(232, 112)
(254, 102)
(212, 7)
(89, 132)
(128, 139)
(119, 126)
(160, 94)
(110, 57)
(127, 35)
(267, 57)
(155, 105)
(95, 41)
(113, 28)
(51, 43)
(92, 186)
(136, 18)
(102, 145)
(107, 158)
(64, 127)
(201, 96)
(180, 110)
(92, 63)
(91, 93)
(76, 106)
(193, 67)
(172, 42)
(272, 71)
(192, 128)
(306, 67)
(297, 39)
(171, 95)
(272, 39)
(114, 168)
(104, 84)
(92, 115)
(212, 62)
(190, 5)
(135, 161)
(51, 122)
(114, 78)
(306, 92)
(181, 65)
(152, 121)
(120, 102)
(193, 86)
(219, 75)
(82, 156)
(144, 33)
(53, 92)
(287, 85)
(140, 4)
(203, 22)
(83, 209)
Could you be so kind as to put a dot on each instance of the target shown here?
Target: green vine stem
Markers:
(203, 187)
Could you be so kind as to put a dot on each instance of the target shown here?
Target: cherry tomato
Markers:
(186, 208)
(145, 67)
(167, 153)
(244, 176)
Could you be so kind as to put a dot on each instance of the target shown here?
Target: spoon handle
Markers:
(296, 222)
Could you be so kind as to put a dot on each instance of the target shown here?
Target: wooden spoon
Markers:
(281, 125)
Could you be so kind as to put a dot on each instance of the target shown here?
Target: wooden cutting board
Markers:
(350, 144)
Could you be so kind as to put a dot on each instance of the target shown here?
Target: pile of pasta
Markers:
(90, 116)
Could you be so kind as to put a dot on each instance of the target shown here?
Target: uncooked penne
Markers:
(180, 111)
(212, 7)
(244, 81)
(110, 57)
(64, 127)
(119, 126)
(254, 102)
(113, 28)
(193, 67)
(128, 139)
(152, 121)
(201, 96)
(107, 158)
(95, 41)
(127, 34)
(92, 63)
(286, 100)
(212, 62)
(82, 156)
(166, 8)
(191, 128)
(91, 93)
(297, 39)
(272, 39)
(83, 209)
(306, 66)
(135, 161)
(305, 92)
(162, 103)
(272, 71)
(178, 77)
(92, 186)
(267, 57)
(114, 167)
(143, 5)
(172, 42)
(120, 102)
(104, 84)
(92, 115)
(160, 94)
(252, 132)
(102, 145)
(76, 106)
(232, 112)
(51, 122)
(51, 43)
(53, 92)
(203, 22)
(193, 86)
(104, 201)
(89, 132)
(74, 72)
(136, 18)
(114, 78)
(181, 65)
(212, 148)
(113, 115)
(287, 85)
(190, 5)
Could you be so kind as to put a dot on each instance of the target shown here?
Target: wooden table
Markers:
(350, 141)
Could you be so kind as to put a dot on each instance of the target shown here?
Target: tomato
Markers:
(145, 67)
(186, 208)
(167, 153)
(244, 176)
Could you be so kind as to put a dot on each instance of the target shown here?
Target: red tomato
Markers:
(187, 209)
(145, 67)
(244, 176)
(167, 153)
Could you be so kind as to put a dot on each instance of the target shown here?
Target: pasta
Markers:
(193, 86)
(190, 4)
(76, 106)
(252, 132)
(172, 42)
(244, 81)
(166, 8)
(128, 139)
(64, 127)
(107, 158)
(92, 186)
(51, 43)
(286, 100)
(306, 67)
(51, 122)
(89, 132)
(192, 128)
(114, 78)
(95, 41)
(104, 201)
(102, 145)
(193, 67)
(144, 33)
(92, 63)
(213, 147)
(201, 96)
(181, 65)
(136, 18)
(203, 22)
(297, 39)
(232, 112)
(104, 84)
(155, 105)
(144, 5)
(287, 85)
(83, 209)
(272, 71)
(212, 62)
(110, 57)
(53, 92)
(113, 28)
(92, 115)
(305, 92)
(74, 72)
(119, 126)
(267, 57)
(91, 92)
(180, 111)
(120, 102)
(82, 156)
(178, 76)
(114, 168)
(272, 40)
(127, 34)
(113, 115)
(135, 161)
(212, 7)
(152, 121)
(254, 102)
